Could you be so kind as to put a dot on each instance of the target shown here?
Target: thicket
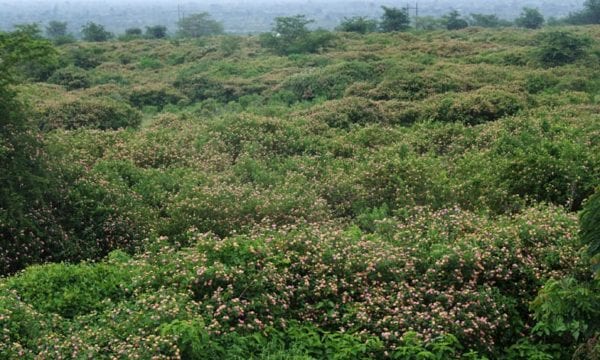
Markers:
(392, 196)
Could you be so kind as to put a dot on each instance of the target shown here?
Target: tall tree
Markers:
(394, 19)
(23, 180)
(56, 29)
(454, 21)
(95, 32)
(290, 35)
(589, 15)
(198, 25)
(530, 18)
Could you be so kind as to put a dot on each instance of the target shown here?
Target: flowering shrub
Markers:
(446, 272)
(100, 113)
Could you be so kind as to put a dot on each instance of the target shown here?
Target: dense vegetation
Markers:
(401, 195)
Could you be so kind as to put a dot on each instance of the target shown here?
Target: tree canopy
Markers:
(95, 32)
(23, 180)
(530, 18)
(290, 35)
(198, 25)
(454, 21)
(394, 19)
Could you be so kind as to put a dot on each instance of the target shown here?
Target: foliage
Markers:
(198, 25)
(590, 225)
(329, 82)
(558, 48)
(133, 32)
(95, 32)
(530, 18)
(154, 96)
(567, 314)
(406, 195)
(71, 78)
(156, 32)
(85, 57)
(454, 22)
(279, 280)
(25, 183)
(98, 113)
(394, 19)
(358, 24)
(56, 29)
(589, 15)
(291, 36)
(488, 21)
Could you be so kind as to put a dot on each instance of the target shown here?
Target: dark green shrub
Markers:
(590, 224)
(28, 186)
(454, 22)
(95, 32)
(154, 96)
(394, 19)
(199, 86)
(358, 24)
(96, 113)
(85, 57)
(530, 18)
(156, 32)
(558, 48)
(71, 78)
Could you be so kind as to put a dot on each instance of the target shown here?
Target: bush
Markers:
(200, 86)
(347, 112)
(476, 107)
(71, 290)
(97, 113)
(156, 32)
(147, 62)
(85, 57)
(358, 24)
(558, 48)
(71, 78)
(590, 225)
(329, 82)
(154, 95)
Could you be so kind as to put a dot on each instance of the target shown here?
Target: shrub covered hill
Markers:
(402, 196)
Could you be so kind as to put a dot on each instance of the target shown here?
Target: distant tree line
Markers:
(291, 34)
